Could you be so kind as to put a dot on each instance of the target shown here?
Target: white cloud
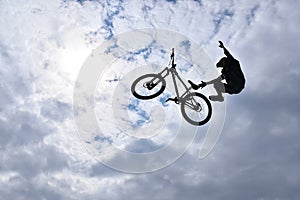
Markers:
(42, 47)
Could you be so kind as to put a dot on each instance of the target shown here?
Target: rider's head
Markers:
(222, 62)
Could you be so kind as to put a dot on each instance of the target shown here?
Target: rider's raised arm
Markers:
(226, 52)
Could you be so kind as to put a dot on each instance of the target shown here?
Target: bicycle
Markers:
(195, 107)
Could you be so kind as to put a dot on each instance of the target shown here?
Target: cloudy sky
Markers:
(43, 46)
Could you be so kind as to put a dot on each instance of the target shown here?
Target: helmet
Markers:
(222, 62)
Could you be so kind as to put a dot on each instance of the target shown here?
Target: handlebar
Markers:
(172, 58)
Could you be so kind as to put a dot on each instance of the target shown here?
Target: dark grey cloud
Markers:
(56, 110)
(23, 128)
(37, 160)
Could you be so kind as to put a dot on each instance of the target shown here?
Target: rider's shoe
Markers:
(202, 84)
(195, 86)
(219, 98)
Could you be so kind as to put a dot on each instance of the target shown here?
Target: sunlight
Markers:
(74, 52)
(71, 60)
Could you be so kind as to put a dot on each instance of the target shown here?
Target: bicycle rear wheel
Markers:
(148, 86)
(196, 109)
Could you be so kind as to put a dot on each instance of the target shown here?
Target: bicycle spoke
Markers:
(196, 109)
(148, 86)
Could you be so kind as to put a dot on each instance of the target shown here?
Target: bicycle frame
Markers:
(179, 98)
(175, 75)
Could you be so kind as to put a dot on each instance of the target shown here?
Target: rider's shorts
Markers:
(230, 89)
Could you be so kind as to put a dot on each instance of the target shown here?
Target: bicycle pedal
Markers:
(173, 99)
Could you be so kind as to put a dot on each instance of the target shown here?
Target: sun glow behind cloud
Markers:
(72, 57)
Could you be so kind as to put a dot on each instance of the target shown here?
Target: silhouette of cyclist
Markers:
(231, 73)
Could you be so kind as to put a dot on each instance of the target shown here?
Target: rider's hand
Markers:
(221, 44)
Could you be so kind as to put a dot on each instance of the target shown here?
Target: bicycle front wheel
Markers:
(196, 109)
(148, 86)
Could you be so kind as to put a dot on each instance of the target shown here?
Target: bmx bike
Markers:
(195, 107)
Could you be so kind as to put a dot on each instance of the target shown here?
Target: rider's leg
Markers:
(215, 81)
(203, 84)
(220, 88)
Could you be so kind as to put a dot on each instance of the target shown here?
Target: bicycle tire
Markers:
(207, 114)
(146, 97)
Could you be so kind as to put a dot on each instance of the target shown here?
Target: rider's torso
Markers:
(233, 74)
